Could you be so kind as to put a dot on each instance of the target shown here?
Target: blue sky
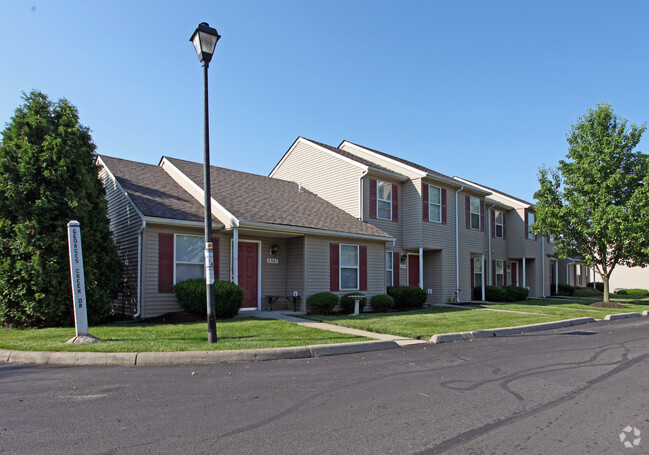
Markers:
(486, 90)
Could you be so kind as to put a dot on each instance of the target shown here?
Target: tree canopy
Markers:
(596, 202)
(48, 177)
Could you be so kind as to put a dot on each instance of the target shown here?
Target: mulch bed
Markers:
(608, 305)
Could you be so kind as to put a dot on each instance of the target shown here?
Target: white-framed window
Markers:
(475, 212)
(384, 200)
(189, 257)
(498, 219)
(434, 204)
(551, 237)
(477, 272)
(531, 219)
(389, 277)
(500, 272)
(348, 267)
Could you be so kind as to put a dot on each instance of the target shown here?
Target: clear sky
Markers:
(485, 90)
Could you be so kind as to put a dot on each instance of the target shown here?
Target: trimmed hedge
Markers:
(407, 297)
(586, 292)
(565, 290)
(502, 294)
(191, 295)
(634, 291)
(322, 302)
(598, 285)
(347, 303)
(382, 303)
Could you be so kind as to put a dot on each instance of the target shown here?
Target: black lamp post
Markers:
(204, 40)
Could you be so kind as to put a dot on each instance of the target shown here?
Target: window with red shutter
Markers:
(165, 263)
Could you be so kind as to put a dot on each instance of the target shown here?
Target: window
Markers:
(384, 200)
(499, 224)
(475, 213)
(190, 257)
(477, 272)
(500, 272)
(348, 267)
(388, 269)
(434, 204)
(551, 238)
(531, 218)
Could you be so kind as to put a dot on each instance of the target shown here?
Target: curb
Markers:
(188, 357)
(612, 317)
(507, 331)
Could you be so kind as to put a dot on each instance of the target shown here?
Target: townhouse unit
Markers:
(276, 239)
(451, 235)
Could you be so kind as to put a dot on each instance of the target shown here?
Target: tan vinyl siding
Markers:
(434, 276)
(410, 208)
(624, 277)
(473, 243)
(381, 161)
(390, 227)
(125, 223)
(328, 176)
(295, 269)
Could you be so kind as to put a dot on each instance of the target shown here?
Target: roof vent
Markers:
(299, 186)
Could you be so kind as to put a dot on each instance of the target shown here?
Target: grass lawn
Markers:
(427, 322)
(239, 333)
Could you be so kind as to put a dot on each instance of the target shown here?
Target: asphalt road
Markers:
(568, 391)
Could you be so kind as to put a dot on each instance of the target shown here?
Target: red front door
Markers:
(514, 267)
(248, 273)
(413, 270)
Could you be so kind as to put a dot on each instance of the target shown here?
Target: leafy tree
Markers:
(596, 202)
(48, 177)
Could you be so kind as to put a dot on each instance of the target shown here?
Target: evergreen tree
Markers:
(596, 202)
(48, 177)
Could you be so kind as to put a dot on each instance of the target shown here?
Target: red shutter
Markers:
(443, 205)
(467, 211)
(395, 268)
(494, 281)
(492, 215)
(395, 202)
(362, 268)
(472, 277)
(504, 270)
(165, 263)
(547, 239)
(373, 198)
(504, 225)
(334, 260)
(482, 214)
(424, 197)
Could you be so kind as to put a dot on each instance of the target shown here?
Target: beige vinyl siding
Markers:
(318, 265)
(472, 243)
(393, 228)
(381, 161)
(410, 217)
(434, 276)
(330, 177)
(295, 269)
(624, 277)
(125, 223)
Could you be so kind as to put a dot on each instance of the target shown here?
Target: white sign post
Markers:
(78, 285)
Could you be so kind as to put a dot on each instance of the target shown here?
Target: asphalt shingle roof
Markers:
(353, 157)
(256, 198)
(153, 191)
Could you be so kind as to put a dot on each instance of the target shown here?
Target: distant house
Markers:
(274, 238)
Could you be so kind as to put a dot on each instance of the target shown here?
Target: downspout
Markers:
(524, 273)
(483, 279)
(360, 194)
(457, 248)
(543, 266)
(556, 279)
(421, 267)
(572, 261)
(489, 235)
(139, 270)
(235, 255)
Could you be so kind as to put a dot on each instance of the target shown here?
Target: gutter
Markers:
(457, 248)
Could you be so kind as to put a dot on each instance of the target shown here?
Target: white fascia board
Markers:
(281, 228)
(120, 187)
(301, 140)
(383, 157)
(232, 221)
(515, 201)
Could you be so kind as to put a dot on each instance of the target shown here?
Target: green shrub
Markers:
(517, 293)
(322, 302)
(347, 303)
(492, 293)
(407, 297)
(632, 292)
(598, 285)
(227, 296)
(566, 290)
(586, 292)
(382, 303)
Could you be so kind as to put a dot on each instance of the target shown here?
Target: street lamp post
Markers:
(204, 39)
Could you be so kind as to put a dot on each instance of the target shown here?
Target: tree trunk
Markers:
(606, 296)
